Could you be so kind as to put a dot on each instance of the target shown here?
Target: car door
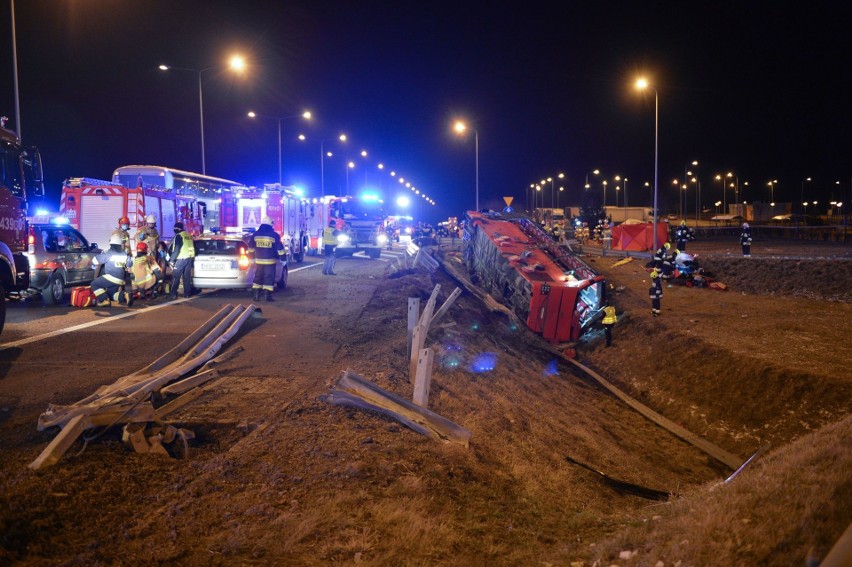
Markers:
(78, 257)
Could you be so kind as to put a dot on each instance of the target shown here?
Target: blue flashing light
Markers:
(485, 362)
(374, 197)
(299, 191)
(42, 212)
(59, 220)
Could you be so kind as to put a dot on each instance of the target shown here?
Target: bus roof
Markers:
(137, 169)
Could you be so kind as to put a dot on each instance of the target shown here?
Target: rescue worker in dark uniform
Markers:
(745, 240)
(116, 262)
(266, 248)
(181, 257)
(329, 243)
(682, 235)
(660, 255)
(655, 292)
(608, 322)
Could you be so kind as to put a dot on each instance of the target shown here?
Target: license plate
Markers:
(215, 266)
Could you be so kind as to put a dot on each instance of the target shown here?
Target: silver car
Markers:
(222, 262)
(59, 257)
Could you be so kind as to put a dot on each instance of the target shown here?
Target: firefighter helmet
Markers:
(124, 220)
(266, 220)
(745, 225)
(683, 223)
(142, 247)
(116, 239)
(151, 219)
(667, 245)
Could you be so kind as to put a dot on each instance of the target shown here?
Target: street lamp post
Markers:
(642, 84)
(306, 115)
(323, 155)
(802, 196)
(460, 127)
(237, 63)
(604, 196)
(772, 185)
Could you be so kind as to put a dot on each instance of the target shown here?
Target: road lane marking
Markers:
(93, 323)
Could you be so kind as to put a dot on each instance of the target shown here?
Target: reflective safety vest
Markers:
(187, 248)
(143, 272)
(329, 236)
(609, 315)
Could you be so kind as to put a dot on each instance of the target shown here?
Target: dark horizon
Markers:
(758, 90)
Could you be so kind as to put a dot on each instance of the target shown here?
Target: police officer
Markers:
(608, 322)
(123, 232)
(655, 292)
(745, 240)
(267, 249)
(181, 256)
(329, 243)
(116, 262)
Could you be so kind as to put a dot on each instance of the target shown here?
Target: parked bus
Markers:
(206, 190)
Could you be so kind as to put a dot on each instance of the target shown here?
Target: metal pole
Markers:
(322, 168)
(625, 192)
(279, 151)
(201, 113)
(656, 157)
(15, 70)
(476, 132)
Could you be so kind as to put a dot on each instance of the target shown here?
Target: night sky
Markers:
(754, 88)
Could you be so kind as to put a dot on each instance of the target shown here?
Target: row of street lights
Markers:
(238, 64)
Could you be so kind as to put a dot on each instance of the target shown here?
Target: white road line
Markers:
(93, 323)
(304, 267)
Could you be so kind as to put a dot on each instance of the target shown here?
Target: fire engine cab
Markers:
(242, 208)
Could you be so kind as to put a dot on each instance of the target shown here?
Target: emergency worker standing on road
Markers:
(181, 257)
(146, 272)
(682, 235)
(745, 240)
(655, 291)
(608, 322)
(266, 248)
(149, 235)
(329, 243)
(606, 236)
(110, 285)
(660, 255)
(123, 232)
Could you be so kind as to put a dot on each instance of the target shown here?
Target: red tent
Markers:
(638, 237)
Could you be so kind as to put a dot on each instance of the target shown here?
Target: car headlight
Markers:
(382, 239)
(342, 238)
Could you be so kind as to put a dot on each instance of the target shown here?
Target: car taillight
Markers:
(244, 261)
(31, 241)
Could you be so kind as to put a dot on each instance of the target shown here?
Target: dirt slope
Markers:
(279, 477)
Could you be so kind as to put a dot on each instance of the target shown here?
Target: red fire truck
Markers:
(20, 178)
(242, 208)
(93, 206)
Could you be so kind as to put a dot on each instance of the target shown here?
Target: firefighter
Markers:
(745, 240)
(116, 262)
(146, 272)
(181, 257)
(655, 292)
(682, 235)
(123, 231)
(329, 242)
(266, 248)
(606, 235)
(149, 235)
(608, 322)
(660, 255)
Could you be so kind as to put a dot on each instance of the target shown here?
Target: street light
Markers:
(604, 195)
(642, 84)
(306, 115)
(619, 178)
(236, 63)
(323, 155)
(802, 196)
(772, 185)
(460, 128)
